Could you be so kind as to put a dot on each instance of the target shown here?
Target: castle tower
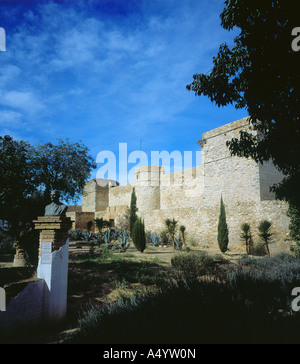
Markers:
(237, 179)
(95, 195)
(147, 187)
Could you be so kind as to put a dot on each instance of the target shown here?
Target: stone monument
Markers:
(53, 257)
(55, 208)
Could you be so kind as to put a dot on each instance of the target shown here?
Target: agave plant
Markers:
(114, 234)
(177, 243)
(107, 237)
(155, 239)
(123, 240)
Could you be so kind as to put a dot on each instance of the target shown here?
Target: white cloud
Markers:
(68, 67)
(25, 101)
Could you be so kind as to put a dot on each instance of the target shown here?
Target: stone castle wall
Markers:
(193, 196)
(233, 177)
(182, 189)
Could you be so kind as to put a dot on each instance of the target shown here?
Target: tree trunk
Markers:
(21, 257)
(268, 250)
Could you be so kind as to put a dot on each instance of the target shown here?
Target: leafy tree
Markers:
(265, 234)
(16, 182)
(64, 167)
(294, 214)
(133, 209)
(261, 74)
(139, 235)
(29, 173)
(222, 229)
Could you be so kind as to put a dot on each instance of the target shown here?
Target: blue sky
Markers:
(110, 71)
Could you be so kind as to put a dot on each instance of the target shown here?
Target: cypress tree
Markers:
(222, 229)
(139, 235)
(133, 215)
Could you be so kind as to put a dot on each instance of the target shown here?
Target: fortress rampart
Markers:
(192, 196)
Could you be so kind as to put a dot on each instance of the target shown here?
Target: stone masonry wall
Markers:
(202, 223)
(235, 178)
(89, 197)
(193, 196)
(181, 189)
(80, 219)
(120, 195)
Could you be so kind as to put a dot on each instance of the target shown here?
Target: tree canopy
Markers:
(260, 73)
(17, 178)
(29, 173)
(64, 167)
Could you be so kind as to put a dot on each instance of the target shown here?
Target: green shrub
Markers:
(252, 306)
(139, 235)
(258, 249)
(197, 264)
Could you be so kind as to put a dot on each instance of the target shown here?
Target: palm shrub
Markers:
(101, 224)
(222, 229)
(132, 214)
(171, 230)
(246, 236)
(264, 233)
(89, 225)
(182, 230)
(139, 235)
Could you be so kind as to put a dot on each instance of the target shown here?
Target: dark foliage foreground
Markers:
(252, 305)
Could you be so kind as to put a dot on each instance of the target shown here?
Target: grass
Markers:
(199, 299)
(194, 298)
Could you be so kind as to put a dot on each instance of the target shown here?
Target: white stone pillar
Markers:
(53, 265)
(53, 269)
